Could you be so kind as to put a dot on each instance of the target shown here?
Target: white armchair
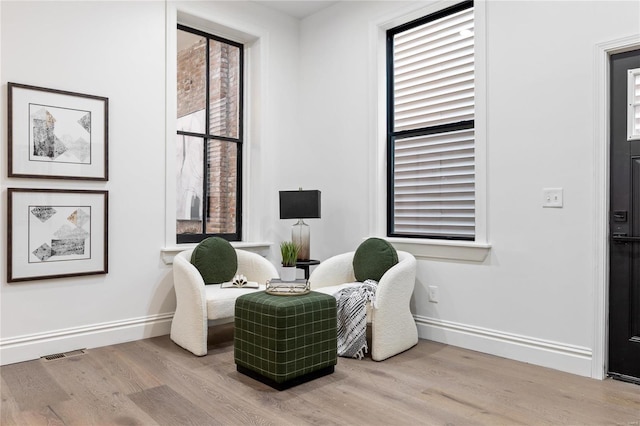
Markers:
(393, 329)
(197, 303)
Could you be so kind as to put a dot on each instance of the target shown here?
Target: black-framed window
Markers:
(430, 126)
(209, 136)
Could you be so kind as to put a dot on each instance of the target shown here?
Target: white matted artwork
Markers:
(56, 134)
(56, 233)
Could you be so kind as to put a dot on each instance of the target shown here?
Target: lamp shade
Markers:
(300, 204)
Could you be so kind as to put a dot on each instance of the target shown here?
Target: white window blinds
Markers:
(431, 128)
(434, 185)
(433, 72)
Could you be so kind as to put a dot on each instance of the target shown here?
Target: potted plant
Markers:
(289, 251)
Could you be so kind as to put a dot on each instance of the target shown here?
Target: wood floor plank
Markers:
(506, 379)
(130, 377)
(211, 388)
(495, 381)
(31, 385)
(154, 381)
(93, 386)
(418, 394)
(11, 414)
(167, 406)
(84, 412)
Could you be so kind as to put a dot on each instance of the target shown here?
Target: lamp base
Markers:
(300, 235)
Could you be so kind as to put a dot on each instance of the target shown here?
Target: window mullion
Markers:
(443, 128)
(205, 155)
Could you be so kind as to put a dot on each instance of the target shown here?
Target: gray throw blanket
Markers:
(352, 318)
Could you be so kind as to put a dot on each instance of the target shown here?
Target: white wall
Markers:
(538, 282)
(532, 297)
(74, 46)
(117, 49)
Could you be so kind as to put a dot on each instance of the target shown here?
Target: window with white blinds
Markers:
(431, 147)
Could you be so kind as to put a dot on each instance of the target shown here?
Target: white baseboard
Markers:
(559, 356)
(34, 346)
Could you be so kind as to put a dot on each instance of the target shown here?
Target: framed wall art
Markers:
(56, 233)
(54, 134)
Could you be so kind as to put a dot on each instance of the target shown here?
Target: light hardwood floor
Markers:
(153, 381)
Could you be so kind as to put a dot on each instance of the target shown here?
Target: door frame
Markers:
(599, 356)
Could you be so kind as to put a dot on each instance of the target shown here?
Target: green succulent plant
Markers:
(289, 252)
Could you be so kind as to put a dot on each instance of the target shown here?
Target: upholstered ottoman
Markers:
(285, 340)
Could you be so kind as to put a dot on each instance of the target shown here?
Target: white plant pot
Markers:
(288, 273)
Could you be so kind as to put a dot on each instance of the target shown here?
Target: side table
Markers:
(304, 265)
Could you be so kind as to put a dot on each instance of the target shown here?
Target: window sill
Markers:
(262, 248)
(439, 249)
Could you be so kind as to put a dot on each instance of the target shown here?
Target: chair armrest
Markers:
(189, 325)
(333, 271)
(255, 267)
(393, 328)
(188, 283)
(397, 284)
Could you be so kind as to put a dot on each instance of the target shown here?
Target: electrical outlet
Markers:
(433, 293)
(552, 197)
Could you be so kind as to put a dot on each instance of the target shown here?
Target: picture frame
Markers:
(56, 134)
(56, 233)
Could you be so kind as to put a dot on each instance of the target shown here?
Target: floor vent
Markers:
(53, 357)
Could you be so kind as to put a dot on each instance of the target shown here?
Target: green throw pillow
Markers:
(373, 258)
(216, 260)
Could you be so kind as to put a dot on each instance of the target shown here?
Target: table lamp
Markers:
(300, 205)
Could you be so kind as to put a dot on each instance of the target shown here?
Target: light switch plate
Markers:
(434, 297)
(552, 197)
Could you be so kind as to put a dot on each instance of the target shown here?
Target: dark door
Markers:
(624, 225)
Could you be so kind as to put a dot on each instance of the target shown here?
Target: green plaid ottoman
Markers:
(285, 340)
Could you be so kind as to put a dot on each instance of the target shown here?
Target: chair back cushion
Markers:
(215, 259)
(373, 258)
